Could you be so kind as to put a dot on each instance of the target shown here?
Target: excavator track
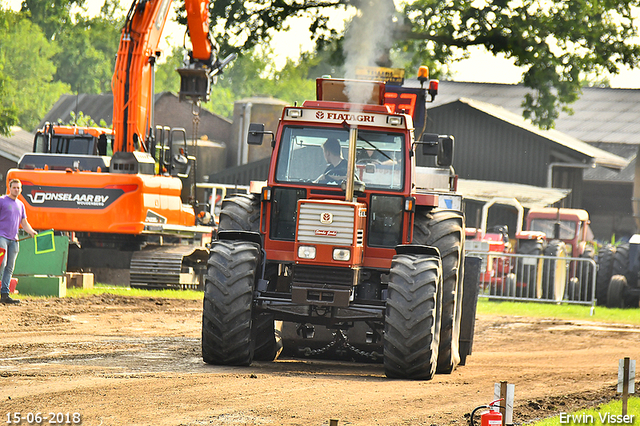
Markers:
(168, 266)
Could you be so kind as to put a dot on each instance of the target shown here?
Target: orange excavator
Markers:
(119, 194)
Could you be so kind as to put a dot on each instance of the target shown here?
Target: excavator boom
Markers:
(133, 79)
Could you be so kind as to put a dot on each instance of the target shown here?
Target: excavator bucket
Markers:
(194, 84)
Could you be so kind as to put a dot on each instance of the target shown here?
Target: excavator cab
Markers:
(75, 140)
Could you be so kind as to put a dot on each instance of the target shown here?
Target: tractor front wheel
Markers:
(228, 299)
(412, 319)
(444, 229)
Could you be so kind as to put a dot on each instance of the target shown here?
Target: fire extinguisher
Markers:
(493, 417)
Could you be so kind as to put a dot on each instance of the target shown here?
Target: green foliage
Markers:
(85, 57)
(51, 16)
(126, 291)
(88, 48)
(167, 78)
(25, 54)
(82, 120)
(8, 111)
(545, 310)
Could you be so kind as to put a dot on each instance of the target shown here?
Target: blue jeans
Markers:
(12, 248)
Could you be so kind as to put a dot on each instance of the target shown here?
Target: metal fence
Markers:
(525, 277)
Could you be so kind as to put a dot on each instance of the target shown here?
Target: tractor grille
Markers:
(322, 275)
(312, 231)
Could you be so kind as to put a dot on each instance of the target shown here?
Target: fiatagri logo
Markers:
(363, 118)
(61, 197)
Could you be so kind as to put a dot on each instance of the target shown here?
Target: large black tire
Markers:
(444, 229)
(615, 292)
(621, 259)
(412, 318)
(228, 299)
(241, 212)
(267, 337)
(527, 271)
(605, 272)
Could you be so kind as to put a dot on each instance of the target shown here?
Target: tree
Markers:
(86, 46)
(25, 55)
(52, 16)
(557, 42)
(249, 75)
(167, 78)
(8, 112)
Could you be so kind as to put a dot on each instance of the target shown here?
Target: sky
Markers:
(480, 67)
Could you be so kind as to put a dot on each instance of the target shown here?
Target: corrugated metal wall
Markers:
(243, 175)
(487, 148)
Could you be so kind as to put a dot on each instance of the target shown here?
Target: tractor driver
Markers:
(336, 170)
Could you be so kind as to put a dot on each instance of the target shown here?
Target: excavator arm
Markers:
(133, 79)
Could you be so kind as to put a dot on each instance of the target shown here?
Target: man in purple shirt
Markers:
(12, 215)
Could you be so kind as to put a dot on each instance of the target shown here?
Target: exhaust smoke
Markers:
(367, 41)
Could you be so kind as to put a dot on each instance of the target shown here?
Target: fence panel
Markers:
(511, 276)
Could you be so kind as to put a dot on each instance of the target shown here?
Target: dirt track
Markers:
(136, 361)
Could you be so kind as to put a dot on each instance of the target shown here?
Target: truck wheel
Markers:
(605, 272)
(267, 337)
(615, 293)
(554, 271)
(527, 274)
(444, 229)
(228, 299)
(241, 212)
(412, 318)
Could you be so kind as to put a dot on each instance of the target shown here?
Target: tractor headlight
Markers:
(341, 254)
(306, 252)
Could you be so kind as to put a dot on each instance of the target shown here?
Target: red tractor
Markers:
(350, 244)
(523, 272)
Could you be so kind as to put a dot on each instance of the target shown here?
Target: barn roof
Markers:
(528, 195)
(601, 114)
(597, 156)
(12, 147)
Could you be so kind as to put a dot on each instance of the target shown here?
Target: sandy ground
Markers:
(136, 361)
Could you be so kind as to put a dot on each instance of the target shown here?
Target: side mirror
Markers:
(445, 151)
(429, 142)
(256, 133)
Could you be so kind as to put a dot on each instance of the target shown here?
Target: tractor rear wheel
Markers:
(228, 299)
(621, 259)
(605, 272)
(240, 212)
(267, 337)
(444, 229)
(554, 271)
(615, 292)
(412, 318)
